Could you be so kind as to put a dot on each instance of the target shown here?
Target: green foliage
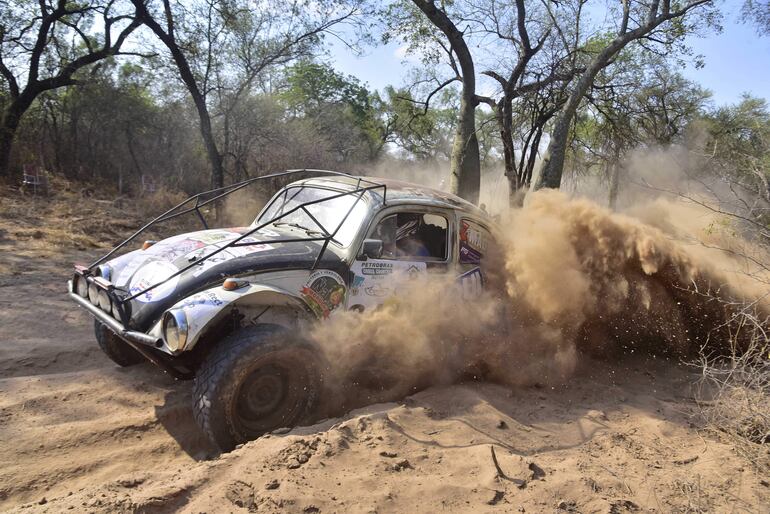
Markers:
(310, 86)
(636, 102)
(424, 134)
(739, 136)
(757, 13)
(335, 103)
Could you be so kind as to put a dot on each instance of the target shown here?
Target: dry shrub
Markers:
(154, 204)
(734, 390)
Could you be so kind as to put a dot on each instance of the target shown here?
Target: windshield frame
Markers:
(358, 194)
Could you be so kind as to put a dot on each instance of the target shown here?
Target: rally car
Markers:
(224, 306)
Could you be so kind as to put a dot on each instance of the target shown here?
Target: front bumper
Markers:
(129, 335)
(141, 342)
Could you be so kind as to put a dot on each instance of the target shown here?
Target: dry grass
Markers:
(160, 201)
(73, 218)
(734, 390)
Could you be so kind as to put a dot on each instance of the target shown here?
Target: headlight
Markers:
(115, 311)
(175, 330)
(80, 285)
(93, 293)
(104, 271)
(103, 300)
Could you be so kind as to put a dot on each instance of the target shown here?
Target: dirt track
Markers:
(68, 416)
(79, 433)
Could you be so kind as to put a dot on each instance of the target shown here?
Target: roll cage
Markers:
(121, 297)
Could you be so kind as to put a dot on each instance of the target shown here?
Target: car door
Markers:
(415, 240)
(473, 240)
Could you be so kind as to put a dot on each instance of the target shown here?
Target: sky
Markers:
(737, 61)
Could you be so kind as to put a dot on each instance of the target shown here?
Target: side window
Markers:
(413, 236)
(474, 240)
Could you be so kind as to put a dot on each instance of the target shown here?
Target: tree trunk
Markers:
(215, 159)
(186, 74)
(10, 123)
(553, 161)
(465, 164)
(614, 176)
(614, 184)
(7, 134)
(505, 123)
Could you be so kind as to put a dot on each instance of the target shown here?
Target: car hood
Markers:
(140, 269)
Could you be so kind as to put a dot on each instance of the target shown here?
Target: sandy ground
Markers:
(79, 434)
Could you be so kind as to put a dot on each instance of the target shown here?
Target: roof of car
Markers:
(398, 192)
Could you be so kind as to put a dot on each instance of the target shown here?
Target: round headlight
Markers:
(104, 271)
(103, 300)
(115, 312)
(175, 330)
(81, 286)
(93, 293)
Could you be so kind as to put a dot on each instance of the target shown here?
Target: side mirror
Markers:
(371, 249)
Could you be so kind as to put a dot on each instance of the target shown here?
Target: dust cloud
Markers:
(568, 278)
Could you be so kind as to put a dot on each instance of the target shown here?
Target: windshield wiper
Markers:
(297, 225)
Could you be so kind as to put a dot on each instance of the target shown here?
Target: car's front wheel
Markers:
(256, 380)
(119, 351)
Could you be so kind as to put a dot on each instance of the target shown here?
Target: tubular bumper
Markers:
(132, 336)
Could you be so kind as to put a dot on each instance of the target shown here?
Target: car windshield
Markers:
(329, 213)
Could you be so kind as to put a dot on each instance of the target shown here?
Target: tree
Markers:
(334, 103)
(44, 45)
(422, 133)
(544, 42)
(267, 35)
(757, 13)
(638, 101)
(739, 142)
(441, 39)
(655, 22)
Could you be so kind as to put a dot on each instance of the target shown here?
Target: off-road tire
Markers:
(251, 366)
(119, 351)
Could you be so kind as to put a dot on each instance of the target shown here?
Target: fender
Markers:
(256, 301)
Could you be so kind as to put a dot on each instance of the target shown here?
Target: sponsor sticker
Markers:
(172, 250)
(323, 292)
(471, 283)
(125, 274)
(223, 256)
(376, 268)
(473, 242)
(213, 236)
(374, 281)
(203, 298)
(267, 232)
(377, 290)
(150, 274)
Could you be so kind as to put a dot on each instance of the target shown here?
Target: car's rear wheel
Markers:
(257, 380)
(119, 351)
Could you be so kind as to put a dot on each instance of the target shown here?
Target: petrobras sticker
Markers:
(375, 280)
(150, 274)
(376, 268)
